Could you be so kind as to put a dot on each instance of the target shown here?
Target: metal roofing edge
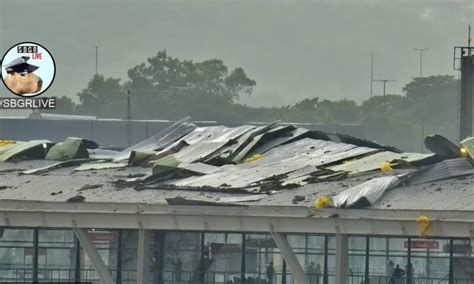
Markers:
(242, 219)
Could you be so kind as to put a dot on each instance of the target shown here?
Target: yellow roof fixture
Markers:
(464, 152)
(323, 202)
(386, 167)
(6, 142)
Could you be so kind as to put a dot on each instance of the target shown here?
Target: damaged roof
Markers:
(275, 164)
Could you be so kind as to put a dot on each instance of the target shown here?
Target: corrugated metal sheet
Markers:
(442, 147)
(365, 194)
(198, 159)
(101, 154)
(443, 170)
(258, 140)
(240, 142)
(374, 161)
(35, 149)
(204, 141)
(468, 143)
(273, 168)
(160, 140)
(291, 134)
(55, 165)
(344, 138)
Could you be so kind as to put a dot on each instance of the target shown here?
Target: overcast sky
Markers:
(293, 49)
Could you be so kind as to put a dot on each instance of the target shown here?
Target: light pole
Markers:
(127, 93)
(421, 50)
(129, 118)
(371, 74)
(384, 81)
(96, 58)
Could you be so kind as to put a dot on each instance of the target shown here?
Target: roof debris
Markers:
(365, 194)
(443, 170)
(250, 164)
(34, 149)
(77, 198)
(71, 148)
(468, 145)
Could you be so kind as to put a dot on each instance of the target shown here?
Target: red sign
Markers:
(423, 244)
(101, 236)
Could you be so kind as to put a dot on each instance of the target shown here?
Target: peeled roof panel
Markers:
(374, 161)
(71, 148)
(443, 170)
(249, 174)
(56, 165)
(7, 147)
(368, 192)
(22, 148)
(442, 146)
(216, 133)
(100, 154)
(231, 149)
(361, 142)
(204, 141)
(298, 148)
(241, 148)
(259, 139)
(295, 134)
(468, 143)
(160, 140)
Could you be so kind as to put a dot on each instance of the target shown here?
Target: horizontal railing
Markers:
(52, 275)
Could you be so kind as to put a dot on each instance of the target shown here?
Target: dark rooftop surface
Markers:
(61, 185)
(274, 165)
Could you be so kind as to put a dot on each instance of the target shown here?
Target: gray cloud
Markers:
(293, 49)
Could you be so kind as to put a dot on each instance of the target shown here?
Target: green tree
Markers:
(64, 105)
(169, 88)
(342, 111)
(165, 73)
(103, 97)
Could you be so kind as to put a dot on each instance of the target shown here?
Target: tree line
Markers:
(166, 87)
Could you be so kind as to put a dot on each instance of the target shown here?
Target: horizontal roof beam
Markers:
(234, 219)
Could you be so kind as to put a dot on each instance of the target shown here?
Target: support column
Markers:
(289, 257)
(243, 264)
(143, 256)
(77, 264)
(451, 261)
(94, 256)
(467, 96)
(35, 254)
(326, 253)
(367, 261)
(119, 257)
(341, 258)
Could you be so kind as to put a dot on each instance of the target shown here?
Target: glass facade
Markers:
(47, 255)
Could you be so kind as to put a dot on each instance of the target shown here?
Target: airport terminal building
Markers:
(247, 204)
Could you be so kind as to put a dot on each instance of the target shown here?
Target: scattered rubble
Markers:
(252, 162)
